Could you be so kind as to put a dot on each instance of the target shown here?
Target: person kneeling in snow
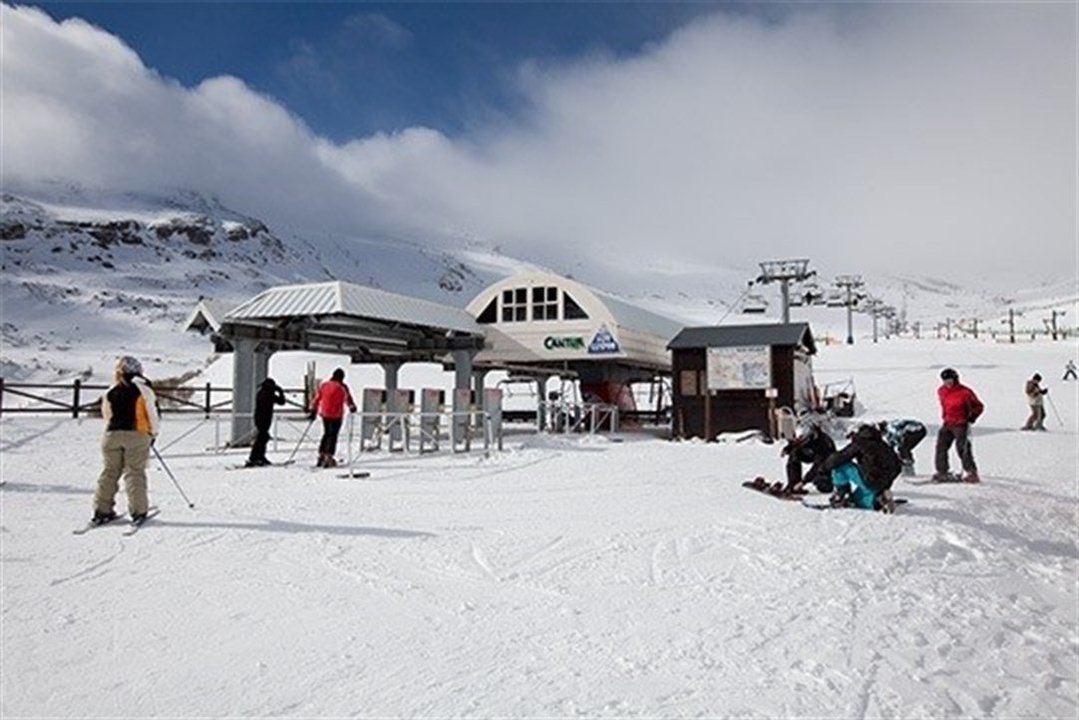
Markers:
(812, 446)
(864, 470)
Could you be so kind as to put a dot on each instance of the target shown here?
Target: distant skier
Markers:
(1036, 400)
(812, 446)
(903, 435)
(960, 408)
(864, 470)
(269, 394)
(129, 409)
(1069, 370)
(329, 402)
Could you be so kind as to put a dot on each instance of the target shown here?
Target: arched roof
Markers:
(544, 320)
(598, 304)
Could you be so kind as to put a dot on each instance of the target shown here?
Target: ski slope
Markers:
(562, 577)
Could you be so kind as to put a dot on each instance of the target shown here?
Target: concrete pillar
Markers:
(243, 391)
(390, 371)
(462, 368)
(462, 380)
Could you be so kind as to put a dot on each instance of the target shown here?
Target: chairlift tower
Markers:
(783, 271)
(850, 283)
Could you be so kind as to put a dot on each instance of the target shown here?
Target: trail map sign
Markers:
(739, 368)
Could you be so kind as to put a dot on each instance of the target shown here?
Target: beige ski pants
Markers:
(126, 453)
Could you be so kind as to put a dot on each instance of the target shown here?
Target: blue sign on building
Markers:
(603, 342)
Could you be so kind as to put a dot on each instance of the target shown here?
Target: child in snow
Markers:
(812, 446)
(129, 409)
(1036, 400)
(903, 435)
(864, 470)
(329, 402)
(960, 408)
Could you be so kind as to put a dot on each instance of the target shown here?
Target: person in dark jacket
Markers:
(904, 434)
(812, 447)
(269, 394)
(864, 470)
(959, 409)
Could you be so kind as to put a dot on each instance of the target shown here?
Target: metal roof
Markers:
(206, 317)
(744, 335)
(341, 298)
(635, 317)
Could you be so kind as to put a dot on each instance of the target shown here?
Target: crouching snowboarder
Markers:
(863, 471)
(812, 446)
(904, 435)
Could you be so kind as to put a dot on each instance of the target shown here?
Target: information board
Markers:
(748, 367)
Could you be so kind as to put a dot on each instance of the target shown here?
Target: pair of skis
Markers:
(132, 528)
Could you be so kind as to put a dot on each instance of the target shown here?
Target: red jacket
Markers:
(958, 404)
(330, 400)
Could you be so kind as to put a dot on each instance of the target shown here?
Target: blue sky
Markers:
(350, 69)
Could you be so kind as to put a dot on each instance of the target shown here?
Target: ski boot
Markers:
(101, 518)
(885, 502)
(971, 477)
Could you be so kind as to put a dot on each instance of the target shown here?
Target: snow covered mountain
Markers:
(88, 274)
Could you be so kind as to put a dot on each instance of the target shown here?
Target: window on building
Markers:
(544, 303)
(489, 314)
(515, 305)
(571, 310)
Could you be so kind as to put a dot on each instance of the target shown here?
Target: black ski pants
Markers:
(258, 448)
(960, 435)
(331, 428)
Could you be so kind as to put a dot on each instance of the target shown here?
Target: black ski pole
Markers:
(171, 476)
(298, 444)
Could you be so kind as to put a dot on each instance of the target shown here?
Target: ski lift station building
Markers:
(535, 325)
(541, 324)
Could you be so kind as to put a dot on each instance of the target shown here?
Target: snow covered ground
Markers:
(564, 576)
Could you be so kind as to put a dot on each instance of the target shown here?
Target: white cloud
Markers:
(933, 138)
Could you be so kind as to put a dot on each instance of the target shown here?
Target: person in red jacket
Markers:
(329, 402)
(960, 407)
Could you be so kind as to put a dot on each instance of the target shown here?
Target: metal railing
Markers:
(70, 398)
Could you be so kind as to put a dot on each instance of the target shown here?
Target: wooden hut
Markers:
(733, 378)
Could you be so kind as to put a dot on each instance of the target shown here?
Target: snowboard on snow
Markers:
(829, 506)
(951, 478)
(776, 489)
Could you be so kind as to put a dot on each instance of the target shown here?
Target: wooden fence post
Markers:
(1, 396)
(209, 404)
(76, 388)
